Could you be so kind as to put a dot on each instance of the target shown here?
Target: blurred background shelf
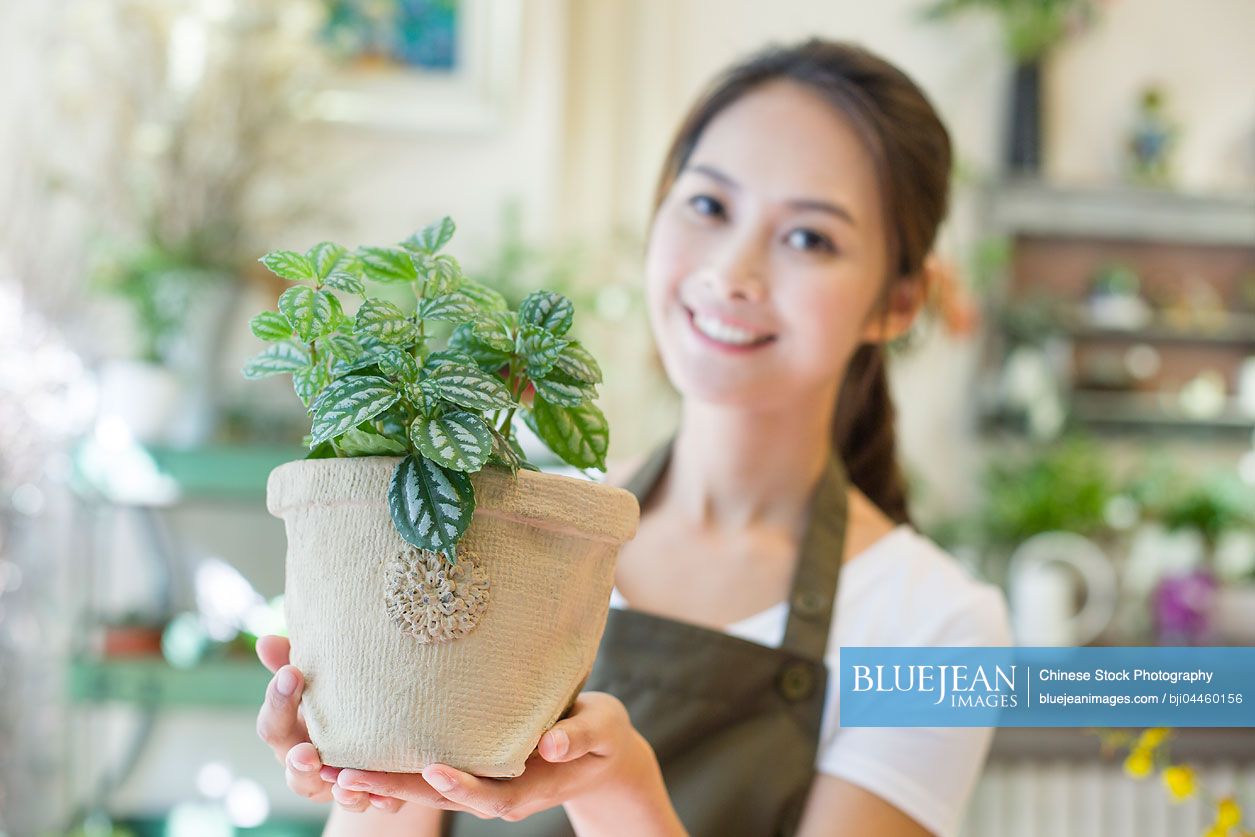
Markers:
(218, 684)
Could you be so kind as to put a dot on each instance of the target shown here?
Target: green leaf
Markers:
(460, 440)
(307, 310)
(565, 393)
(453, 307)
(548, 310)
(439, 358)
(488, 299)
(342, 280)
(350, 401)
(465, 340)
(431, 237)
(468, 386)
(277, 359)
(325, 450)
(399, 365)
(443, 275)
(358, 442)
(577, 363)
(324, 257)
(502, 452)
(309, 382)
(495, 330)
(384, 264)
(289, 265)
(386, 323)
(539, 348)
(431, 506)
(579, 435)
(270, 326)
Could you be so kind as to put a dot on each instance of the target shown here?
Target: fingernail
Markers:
(558, 742)
(286, 682)
(302, 765)
(379, 803)
(440, 781)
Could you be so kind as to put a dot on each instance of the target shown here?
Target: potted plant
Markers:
(444, 599)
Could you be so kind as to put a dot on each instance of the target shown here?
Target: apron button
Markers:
(796, 681)
(809, 602)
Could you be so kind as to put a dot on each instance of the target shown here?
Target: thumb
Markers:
(592, 728)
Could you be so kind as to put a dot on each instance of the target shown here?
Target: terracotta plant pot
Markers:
(407, 664)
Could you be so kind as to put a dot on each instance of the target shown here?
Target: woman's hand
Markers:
(279, 724)
(594, 753)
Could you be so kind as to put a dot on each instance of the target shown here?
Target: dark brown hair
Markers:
(911, 150)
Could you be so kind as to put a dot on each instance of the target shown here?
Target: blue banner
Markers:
(1135, 686)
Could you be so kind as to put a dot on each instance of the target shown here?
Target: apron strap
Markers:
(814, 591)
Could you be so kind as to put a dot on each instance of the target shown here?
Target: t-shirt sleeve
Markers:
(928, 773)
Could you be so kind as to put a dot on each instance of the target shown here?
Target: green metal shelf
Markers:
(218, 684)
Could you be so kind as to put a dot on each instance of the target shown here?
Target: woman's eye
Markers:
(706, 205)
(805, 239)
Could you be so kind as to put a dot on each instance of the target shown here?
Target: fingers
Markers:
(301, 769)
(592, 728)
(401, 787)
(273, 651)
(277, 721)
(510, 799)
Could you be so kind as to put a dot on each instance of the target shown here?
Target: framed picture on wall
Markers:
(430, 66)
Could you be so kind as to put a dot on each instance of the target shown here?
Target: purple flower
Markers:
(1182, 606)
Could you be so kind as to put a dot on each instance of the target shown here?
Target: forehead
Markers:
(783, 140)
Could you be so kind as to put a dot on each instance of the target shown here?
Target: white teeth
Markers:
(723, 332)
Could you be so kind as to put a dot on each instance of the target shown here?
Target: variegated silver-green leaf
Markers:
(431, 506)
(488, 299)
(343, 280)
(502, 452)
(309, 382)
(578, 363)
(565, 393)
(548, 310)
(358, 442)
(496, 330)
(289, 265)
(384, 264)
(579, 435)
(443, 356)
(308, 310)
(277, 359)
(443, 275)
(385, 322)
(539, 348)
(325, 256)
(468, 386)
(350, 401)
(431, 237)
(453, 307)
(270, 326)
(464, 340)
(459, 440)
(399, 365)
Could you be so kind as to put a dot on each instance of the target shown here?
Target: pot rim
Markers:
(549, 501)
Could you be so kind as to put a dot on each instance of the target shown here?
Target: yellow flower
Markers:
(1228, 813)
(1216, 831)
(1152, 738)
(1138, 763)
(1180, 782)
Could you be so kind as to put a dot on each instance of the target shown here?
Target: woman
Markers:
(793, 222)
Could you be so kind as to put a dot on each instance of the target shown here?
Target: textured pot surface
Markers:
(378, 697)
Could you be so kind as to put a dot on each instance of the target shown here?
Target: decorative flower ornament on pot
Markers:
(444, 598)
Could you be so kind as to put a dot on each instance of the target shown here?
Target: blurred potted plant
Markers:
(427, 558)
(134, 634)
(199, 112)
(1030, 28)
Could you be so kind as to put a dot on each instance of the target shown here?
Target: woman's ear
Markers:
(907, 296)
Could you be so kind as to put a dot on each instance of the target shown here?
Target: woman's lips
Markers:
(721, 345)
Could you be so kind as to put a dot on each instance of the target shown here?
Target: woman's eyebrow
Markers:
(797, 203)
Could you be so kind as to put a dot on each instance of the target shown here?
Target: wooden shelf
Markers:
(1149, 409)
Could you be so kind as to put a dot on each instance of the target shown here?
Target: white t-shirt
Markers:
(902, 590)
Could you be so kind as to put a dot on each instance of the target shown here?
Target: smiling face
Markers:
(767, 257)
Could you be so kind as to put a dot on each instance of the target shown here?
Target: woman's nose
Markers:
(738, 272)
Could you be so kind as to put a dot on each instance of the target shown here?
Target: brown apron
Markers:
(735, 724)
